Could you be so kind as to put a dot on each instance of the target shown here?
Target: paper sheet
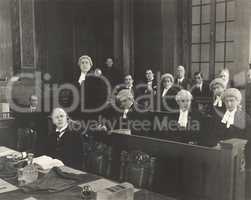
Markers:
(6, 187)
(101, 184)
(4, 151)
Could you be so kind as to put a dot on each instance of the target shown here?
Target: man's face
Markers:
(231, 103)
(180, 72)
(184, 104)
(85, 65)
(224, 75)
(198, 79)
(149, 75)
(33, 101)
(167, 82)
(128, 80)
(126, 103)
(217, 90)
(59, 118)
(109, 62)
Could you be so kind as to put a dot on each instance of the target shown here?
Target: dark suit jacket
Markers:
(201, 98)
(68, 148)
(168, 102)
(143, 91)
(185, 84)
(204, 92)
(113, 74)
(248, 98)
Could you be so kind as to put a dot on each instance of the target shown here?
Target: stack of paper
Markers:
(46, 162)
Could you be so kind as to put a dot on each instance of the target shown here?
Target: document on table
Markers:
(6, 187)
(4, 151)
(101, 184)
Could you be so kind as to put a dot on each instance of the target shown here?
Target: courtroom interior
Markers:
(125, 99)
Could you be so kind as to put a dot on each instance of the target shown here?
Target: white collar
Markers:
(82, 77)
(149, 82)
(125, 113)
(62, 130)
(165, 90)
(199, 85)
(180, 79)
(184, 112)
(218, 101)
(228, 118)
(183, 118)
(33, 108)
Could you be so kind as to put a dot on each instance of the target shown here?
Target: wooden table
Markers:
(74, 193)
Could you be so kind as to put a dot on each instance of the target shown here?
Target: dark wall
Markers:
(69, 29)
(147, 36)
(158, 35)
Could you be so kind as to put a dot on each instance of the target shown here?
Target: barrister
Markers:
(217, 86)
(189, 124)
(168, 93)
(232, 123)
(92, 88)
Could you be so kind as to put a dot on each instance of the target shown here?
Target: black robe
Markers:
(93, 93)
(168, 102)
(193, 132)
(201, 98)
(240, 129)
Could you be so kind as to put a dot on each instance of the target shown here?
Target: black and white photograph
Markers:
(125, 99)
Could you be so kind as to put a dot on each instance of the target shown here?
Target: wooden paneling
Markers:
(187, 171)
(69, 29)
(6, 59)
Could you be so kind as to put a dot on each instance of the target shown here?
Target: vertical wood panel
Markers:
(6, 59)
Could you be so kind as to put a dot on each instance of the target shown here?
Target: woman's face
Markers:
(184, 103)
(217, 90)
(231, 103)
(59, 118)
(85, 65)
(167, 82)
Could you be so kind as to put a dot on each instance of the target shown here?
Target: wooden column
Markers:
(242, 35)
(24, 37)
(123, 35)
(169, 36)
(6, 60)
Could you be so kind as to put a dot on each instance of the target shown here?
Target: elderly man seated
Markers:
(64, 142)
